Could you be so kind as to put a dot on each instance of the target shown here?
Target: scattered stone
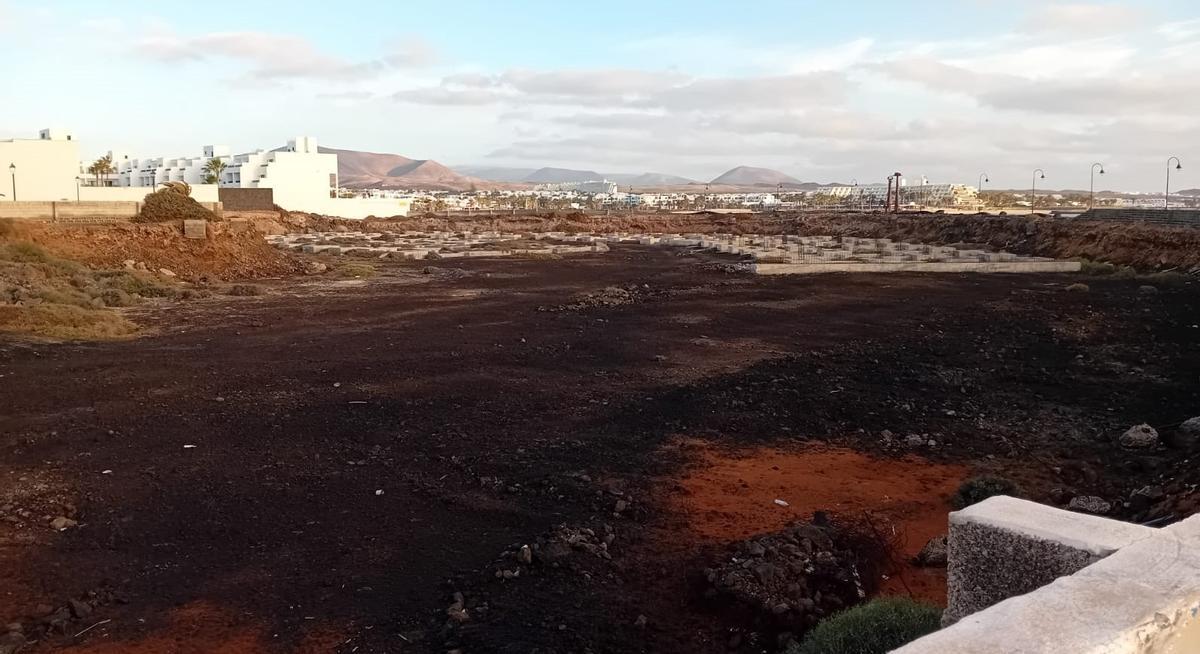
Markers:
(1189, 433)
(1090, 504)
(1139, 437)
(62, 523)
(914, 440)
(525, 555)
(166, 273)
(315, 268)
(130, 264)
(1147, 290)
(1078, 288)
(12, 642)
(457, 612)
(933, 555)
(1145, 497)
(80, 609)
(641, 621)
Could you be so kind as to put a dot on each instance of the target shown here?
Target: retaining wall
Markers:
(1109, 587)
(81, 212)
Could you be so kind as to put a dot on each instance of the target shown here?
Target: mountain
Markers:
(496, 173)
(392, 171)
(648, 179)
(1189, 192)
(750, 176)
(562, 176)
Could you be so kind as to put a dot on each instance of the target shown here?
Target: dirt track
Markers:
(364, 450)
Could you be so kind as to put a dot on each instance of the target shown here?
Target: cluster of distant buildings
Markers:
(301, 177)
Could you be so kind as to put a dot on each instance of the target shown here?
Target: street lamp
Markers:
(1092, 196)
(1166, 198)
(1039, 173)
(12, 170)
(77, 188)
(983, 177)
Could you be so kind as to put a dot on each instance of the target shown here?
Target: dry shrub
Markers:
(166, 205)
(244, 290)
(61, 321)
(978, 489)
(356, 270)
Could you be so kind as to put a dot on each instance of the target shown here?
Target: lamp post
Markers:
(1039, 173)
(1092, 195)
(1166, 197)
(12, 170)
(77, 188)
(983, 177)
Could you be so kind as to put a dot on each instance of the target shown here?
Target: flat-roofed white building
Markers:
(41, 169)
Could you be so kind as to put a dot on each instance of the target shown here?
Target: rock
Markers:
(12, 642)
(621, 506)
(62, 523)
(1090, 504)
(1145, 497)
(129, 264)
(914, 440)
(641, 621)
(80, 609)
(1147, 290)
(1078, 288)
(1139, 437)
(165, 273)
(315, 268)
(1189, 433)
(933, 555)
(525, 555)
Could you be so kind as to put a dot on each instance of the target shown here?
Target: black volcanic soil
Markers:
(322, 468)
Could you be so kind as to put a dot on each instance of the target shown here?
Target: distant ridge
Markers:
(751, 176)
(392, 171)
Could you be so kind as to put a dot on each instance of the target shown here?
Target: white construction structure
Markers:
(41, 170)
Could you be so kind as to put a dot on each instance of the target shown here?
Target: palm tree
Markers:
(101, 166)
(213, 170)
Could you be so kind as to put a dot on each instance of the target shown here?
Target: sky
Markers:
(824, 91)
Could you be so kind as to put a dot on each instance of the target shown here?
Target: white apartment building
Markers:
(41, 169)
(924, 194)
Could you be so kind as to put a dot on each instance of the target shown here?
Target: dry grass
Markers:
(362, 270)
(43, 295)
(64, 321)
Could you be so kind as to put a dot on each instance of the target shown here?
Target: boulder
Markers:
(1090, 504)
(1140, 437)
(1189, 433)
(933, 555)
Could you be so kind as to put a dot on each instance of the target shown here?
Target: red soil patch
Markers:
(731, 496)
(205, 628)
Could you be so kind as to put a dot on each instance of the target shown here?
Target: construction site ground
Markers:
(322, 467)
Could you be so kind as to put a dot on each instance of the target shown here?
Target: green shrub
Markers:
(244, 290)
(134, 283)
(1090, 267)
(876, 627)
(24, 252)
(978, 489)
(356, 270)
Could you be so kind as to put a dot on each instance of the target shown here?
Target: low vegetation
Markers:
(244, 290)
(978, 489)
(876, 627)
(172, 202)
(44, 295)
(355, 269)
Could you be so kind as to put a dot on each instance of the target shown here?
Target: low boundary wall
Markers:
(1109, 587)
(81, 212)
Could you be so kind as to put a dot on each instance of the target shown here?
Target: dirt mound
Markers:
(231, 253)
(172, 203)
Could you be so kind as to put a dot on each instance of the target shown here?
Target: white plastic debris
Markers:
(782, 503)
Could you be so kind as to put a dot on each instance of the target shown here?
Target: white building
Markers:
(41, 169)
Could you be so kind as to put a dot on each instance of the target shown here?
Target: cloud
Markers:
(1084, 19)
(273, 57)
(632, 89)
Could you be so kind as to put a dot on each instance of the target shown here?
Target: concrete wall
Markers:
(46, 169)
(358, 208)
(247, 199)
(80, 211)
(1140, 596)
(200, 192)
